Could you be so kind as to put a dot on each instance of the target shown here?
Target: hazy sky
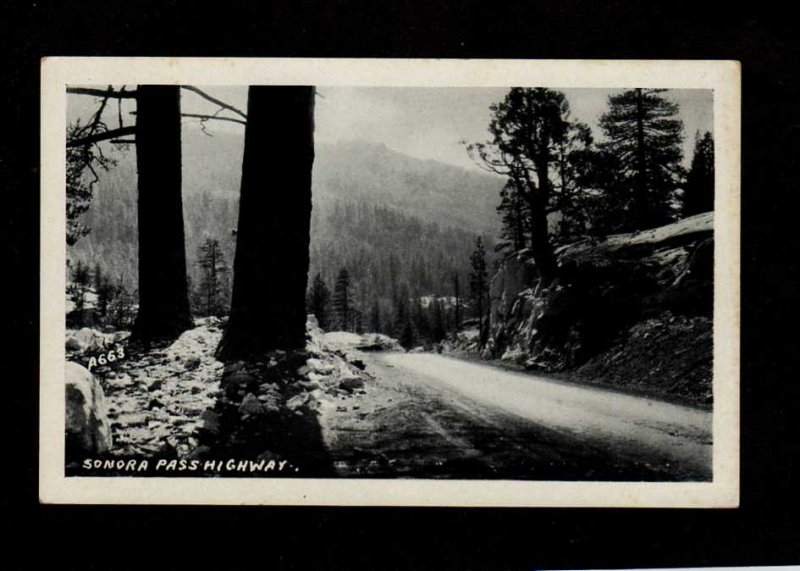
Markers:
(430, 123)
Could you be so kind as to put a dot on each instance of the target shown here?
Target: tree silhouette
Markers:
(479, 286)
(699, 191)
(270, 270)
(644, 135)
(318, 299)
(342, 300)
(163, 294)
(212, 281)
(527, 128)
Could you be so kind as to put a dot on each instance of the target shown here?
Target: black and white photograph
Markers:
(323, 286)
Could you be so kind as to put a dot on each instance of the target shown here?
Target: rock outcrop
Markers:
(604, 289)
(88, 431)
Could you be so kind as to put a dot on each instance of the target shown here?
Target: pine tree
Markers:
(212, 291)
(81, 278)
(514, 215)
(421, 323)
(84, 162)
(645, 135)
(527, 128)
(698, 195)
(163, 289)
(270, 269)
(479, 285)
(318, 299)
(437, 321)
(105, 291)
(375, 317)
(342, 300)
(457, 308)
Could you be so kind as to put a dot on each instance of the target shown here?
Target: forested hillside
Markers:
(396, 223)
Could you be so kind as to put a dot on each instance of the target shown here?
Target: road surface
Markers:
(432, 416)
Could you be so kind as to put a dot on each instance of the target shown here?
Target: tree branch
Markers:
(213, 117)
(101, 93)
(104, 136)
(214, 100)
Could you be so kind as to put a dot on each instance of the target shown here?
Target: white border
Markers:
(721, 76)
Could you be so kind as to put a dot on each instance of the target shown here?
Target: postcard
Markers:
(390, 282)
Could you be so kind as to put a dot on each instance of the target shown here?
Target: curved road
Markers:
(427, 415)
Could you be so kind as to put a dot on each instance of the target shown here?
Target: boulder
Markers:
(88, 430)
(87, 339)
(250, 405)
(351, 384)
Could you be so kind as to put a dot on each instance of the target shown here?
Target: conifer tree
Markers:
(644, 134)
(527, 128)
(375, 317)
(318, 299)
(699, 190)
(479, 285)
(270, 268)
(212, 291)
(342, 300)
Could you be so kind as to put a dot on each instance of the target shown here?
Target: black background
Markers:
(764, 530)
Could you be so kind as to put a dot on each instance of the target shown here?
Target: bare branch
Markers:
(204, 118)
(214, 100)
(101, 93)
(103, 136)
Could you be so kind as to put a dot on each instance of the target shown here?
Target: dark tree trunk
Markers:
(163, 298)
(640, 200)
(271, 265)
(541, 248)
(457, 293)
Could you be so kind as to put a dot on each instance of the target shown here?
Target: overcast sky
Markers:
(430, 123)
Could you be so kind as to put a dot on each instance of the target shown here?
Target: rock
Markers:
(231, 368)
(309, 385)
(192, 363)
(296, 402)
(358, 364)
(88, 339)
(315, 377)
(320, 367)
(250, 405)
(304, 370)
(120, 336)
(88, 430)
(268, 388)
(199, 453)
(240, 378)
(155, 385)
(379, 342)
(211, 422)
(351, 384)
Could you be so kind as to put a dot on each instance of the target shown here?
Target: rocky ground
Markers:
(632, 312)
(669, 356)
(179, 402)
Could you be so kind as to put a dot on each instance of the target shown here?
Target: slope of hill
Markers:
(441, 197)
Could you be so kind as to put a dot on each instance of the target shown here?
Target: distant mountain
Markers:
(429, 190)
(354, 172)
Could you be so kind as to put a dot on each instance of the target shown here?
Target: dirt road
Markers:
(433, 416)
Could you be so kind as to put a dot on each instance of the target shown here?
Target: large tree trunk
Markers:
(271, 265)
(163, 299)
(541, 248)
